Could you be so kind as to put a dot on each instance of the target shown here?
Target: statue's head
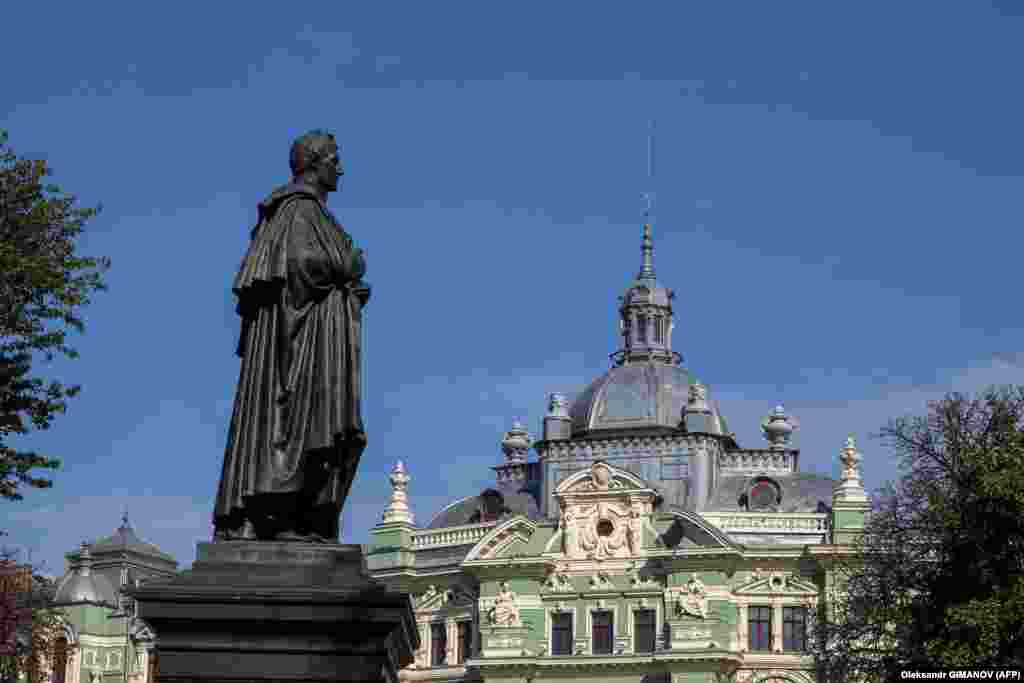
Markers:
(314, 160)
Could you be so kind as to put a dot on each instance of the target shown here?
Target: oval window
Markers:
(763, 495)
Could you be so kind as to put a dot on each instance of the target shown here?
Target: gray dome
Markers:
(636, 395)
(81, 585)
(75, 588)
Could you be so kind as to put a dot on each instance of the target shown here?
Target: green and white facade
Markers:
(103, 641)
(635, 541)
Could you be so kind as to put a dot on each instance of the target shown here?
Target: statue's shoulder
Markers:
(298, 198)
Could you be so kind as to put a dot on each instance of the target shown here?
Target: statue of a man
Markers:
(296, 432)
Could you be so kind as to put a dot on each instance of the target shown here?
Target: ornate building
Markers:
(103, 641)
(642, 543)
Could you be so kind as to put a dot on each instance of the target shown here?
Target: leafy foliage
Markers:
(44, 285)
(938, 579)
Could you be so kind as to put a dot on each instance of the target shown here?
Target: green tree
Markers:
(44, 285)
(938, 578)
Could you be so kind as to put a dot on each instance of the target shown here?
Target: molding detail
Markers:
(758, 461)
(600, 449)
(558, 581)
(769, 522)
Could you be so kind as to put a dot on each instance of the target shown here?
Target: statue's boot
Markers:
(245, 532)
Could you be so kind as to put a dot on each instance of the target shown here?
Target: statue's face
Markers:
(329, 169)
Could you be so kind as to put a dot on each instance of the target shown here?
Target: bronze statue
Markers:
(296, 432)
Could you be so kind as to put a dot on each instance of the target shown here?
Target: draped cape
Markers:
(300, 298)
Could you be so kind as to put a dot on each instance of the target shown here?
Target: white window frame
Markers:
(549, 624)
(600, 607)
(641, 605)
(776, 604)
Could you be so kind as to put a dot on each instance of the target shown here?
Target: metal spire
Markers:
(647, 270)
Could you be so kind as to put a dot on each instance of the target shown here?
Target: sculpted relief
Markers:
(602, 513)
(505, 611)
(693, 599)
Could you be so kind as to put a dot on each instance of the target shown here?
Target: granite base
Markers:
(268, 611)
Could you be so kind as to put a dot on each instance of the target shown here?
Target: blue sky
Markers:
(839, 197)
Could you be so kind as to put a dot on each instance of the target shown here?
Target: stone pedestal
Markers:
(257, 611)
(504, 641)
(688, 634)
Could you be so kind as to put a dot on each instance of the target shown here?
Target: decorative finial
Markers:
(777, 428)
(850, 459)
(850, 487)
(398, 509)
(516, 443)
(125, 524)
(647, 269)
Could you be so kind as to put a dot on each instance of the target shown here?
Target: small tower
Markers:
(645, 310)
(645, 315)
(391, 547)
(850, 502)
(557, 424)
(398, 509)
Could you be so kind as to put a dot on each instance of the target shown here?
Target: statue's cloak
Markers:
(300, 298)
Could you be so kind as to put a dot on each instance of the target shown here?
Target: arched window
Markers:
(659, 338)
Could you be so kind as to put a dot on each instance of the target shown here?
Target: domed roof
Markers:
(637, 395)
(81, 585)
(631, 396)
(469, 510)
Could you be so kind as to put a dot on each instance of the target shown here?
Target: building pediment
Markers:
(599, 480)
(434, 598)
(776, 583)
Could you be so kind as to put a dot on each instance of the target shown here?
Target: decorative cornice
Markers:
(615, 447)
